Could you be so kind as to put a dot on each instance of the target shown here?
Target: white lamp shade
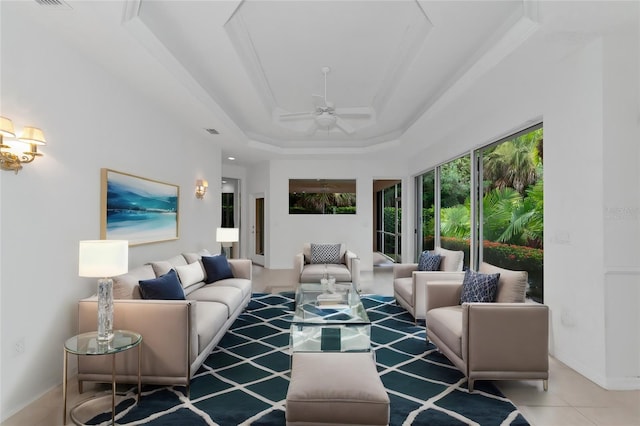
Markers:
(227, 235)
(33, 135)
(6, 127)
(103, 258)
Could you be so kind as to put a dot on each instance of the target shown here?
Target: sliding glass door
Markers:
(490, 204)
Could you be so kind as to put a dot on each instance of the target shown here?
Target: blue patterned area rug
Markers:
(245, 379)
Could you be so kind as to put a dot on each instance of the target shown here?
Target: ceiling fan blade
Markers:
(292, 115)
(344, 126)
(312, 129)
(354, 111)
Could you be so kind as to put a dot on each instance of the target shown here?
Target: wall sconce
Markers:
(201, 188)
(12, 151)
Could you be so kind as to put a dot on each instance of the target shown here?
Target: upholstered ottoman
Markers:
(336, 388)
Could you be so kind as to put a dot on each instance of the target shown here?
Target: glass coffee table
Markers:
(327, 321)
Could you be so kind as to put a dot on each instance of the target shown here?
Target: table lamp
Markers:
(226, 237)
(104, 259)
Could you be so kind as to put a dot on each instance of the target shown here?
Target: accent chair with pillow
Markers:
(485, 327)
(335, 260)
(410, 279)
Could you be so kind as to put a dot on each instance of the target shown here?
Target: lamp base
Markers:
(105, 309)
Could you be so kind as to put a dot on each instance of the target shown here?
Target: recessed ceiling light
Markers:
(231, 158)
(224, 181)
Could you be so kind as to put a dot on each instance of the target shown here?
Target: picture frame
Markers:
(137, 209)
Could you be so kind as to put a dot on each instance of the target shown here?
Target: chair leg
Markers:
(470, 385)
(545, 385)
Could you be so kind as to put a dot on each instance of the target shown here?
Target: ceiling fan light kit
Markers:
(326, 116)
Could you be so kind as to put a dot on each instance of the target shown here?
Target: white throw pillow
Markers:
(190, 274)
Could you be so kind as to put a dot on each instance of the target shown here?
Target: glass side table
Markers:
(87, 344)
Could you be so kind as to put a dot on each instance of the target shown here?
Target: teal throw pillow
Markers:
(478, 287)
(166, 287)
(217, 268)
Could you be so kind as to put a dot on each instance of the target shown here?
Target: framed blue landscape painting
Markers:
(137, 209)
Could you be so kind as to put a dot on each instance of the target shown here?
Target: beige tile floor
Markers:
(570, 400)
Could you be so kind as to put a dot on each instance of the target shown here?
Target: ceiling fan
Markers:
(326, 116)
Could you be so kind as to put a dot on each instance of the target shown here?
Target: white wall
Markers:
(91, 120)
(289, 232)
(621, 140)
(589, 102)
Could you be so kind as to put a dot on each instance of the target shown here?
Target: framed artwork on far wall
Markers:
(137, 209)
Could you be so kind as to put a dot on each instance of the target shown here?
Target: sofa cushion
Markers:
(166, 287)
(190, 274)
(325, 253)
(125, 286)
(216, 267)
(243, 284)
(194, 257)
(479, 287)
(446, 323)
(429, 261)
(512, 285)
(452, 261)
(314, 273)
(161, 267)
(210, 318)
(229, 296)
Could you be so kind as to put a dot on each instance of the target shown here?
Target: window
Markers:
(512, 206)
(507, 209)
(425, 185)
(388, 218)
(455, 213)
(322, 196)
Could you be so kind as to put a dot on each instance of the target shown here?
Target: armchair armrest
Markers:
(443, 293)
(404, 270)
(353, 265)
(241, 268)
(298, 263)
(506, 337)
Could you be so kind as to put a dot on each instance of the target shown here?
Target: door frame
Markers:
(258, 259)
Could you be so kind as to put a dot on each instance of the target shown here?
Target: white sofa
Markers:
(178, 335)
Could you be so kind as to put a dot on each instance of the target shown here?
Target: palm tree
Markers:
(513, 219)
(455, 221)
(514, 163)
(321, 201)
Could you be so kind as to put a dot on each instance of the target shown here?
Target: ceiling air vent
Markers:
(213, 131)
(53, 4)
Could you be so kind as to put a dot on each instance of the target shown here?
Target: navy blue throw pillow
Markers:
(429, 261)
(478, 287)
(166, 287)
(217, 268)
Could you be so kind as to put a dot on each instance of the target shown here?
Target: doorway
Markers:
(257, 229)
(230, 215)
(387, 215)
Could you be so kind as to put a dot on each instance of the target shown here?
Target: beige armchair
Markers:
(346, 270)
(505, 340)
(409, 284)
